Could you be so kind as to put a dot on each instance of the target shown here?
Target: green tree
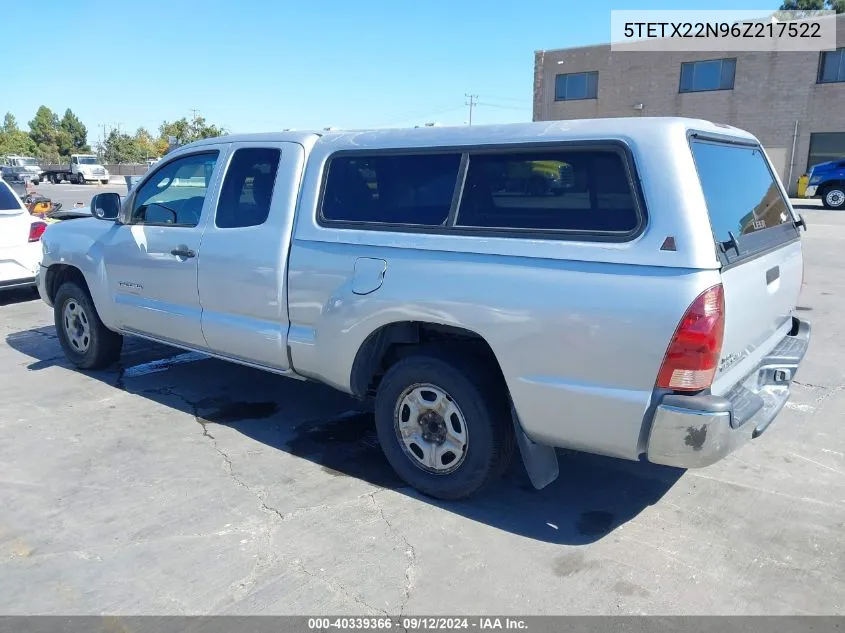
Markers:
(147, 143)
(13, 140)
(10, 124)
(122, 148)
(186, 131)
(44, 131)
(813, 5)
(73, 135)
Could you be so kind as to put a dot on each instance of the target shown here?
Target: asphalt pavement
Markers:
(174, 484)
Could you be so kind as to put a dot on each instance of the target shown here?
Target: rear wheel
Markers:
(87, 343)
(444, 423)
(834, 197)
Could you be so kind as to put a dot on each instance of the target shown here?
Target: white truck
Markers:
(82, 168)
(640, 312)
(17, 168)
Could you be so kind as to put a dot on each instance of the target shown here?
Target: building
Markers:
(794, 102)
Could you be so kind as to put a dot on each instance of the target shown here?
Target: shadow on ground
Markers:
(18, 295)
(592, 497)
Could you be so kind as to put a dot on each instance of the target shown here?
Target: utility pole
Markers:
(194, 112)
(473, 101)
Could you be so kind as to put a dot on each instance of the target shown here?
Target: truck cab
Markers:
(21, 169)
(87, 168)
(827, 182)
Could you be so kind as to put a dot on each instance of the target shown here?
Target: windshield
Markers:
(26, 162)
(88, 160)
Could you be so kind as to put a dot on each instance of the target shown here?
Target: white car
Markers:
(20, 241)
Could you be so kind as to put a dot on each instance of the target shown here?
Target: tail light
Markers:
(693, 355)
(36, 230)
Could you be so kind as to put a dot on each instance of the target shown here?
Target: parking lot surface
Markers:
(174, 484)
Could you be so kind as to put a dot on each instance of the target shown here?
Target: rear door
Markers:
(243, 260)
(759, 247)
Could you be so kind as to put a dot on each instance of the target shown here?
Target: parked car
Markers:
(646, 312)
(20, 235)
(827, 181)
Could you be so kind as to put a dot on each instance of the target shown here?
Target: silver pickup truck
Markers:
(643, 309)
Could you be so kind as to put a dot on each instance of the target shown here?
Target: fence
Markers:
(122, 169)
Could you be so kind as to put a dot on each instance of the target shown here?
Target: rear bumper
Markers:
(696, 431)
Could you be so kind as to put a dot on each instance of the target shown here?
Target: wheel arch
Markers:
(393, 341)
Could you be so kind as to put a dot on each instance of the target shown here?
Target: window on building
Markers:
(572, 191)
(826, 146)
(577, 86)
(832, 66)
(413, 189)
(713, 74)
(248, 188)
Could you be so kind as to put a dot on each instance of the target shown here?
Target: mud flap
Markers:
(540, 460)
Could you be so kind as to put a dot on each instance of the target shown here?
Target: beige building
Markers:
(794, 102)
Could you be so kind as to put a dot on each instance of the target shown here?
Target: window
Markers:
(577, 86)
(248, 188)
(743, 210)
(714, 74)
(587, 191)
(174, 194)
(412, 189)
(826, 146)
(8, 202)
(832, 66)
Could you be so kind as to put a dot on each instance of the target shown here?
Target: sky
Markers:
(254, 66)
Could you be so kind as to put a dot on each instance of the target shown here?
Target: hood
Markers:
(831, 164)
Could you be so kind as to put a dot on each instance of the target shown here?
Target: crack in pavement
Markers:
(337, 588)
(410, 552)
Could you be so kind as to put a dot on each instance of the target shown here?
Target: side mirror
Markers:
(105, 206)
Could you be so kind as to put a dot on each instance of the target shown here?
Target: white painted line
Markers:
(162, 364)
(804, 408)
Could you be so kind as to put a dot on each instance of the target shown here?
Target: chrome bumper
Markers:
(696, 431)
(810, 191)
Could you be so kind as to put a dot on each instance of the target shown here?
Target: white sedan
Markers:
(20, 241)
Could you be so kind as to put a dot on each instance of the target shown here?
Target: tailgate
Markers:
(760, 250)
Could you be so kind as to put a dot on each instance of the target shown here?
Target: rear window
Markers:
(412, 189)
(586, 191)
(743, 198)
(8, 201)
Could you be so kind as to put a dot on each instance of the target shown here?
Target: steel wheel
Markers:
(835, 198)
(77, 326)
(431, 428)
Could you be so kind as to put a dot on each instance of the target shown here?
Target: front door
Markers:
(152, 259)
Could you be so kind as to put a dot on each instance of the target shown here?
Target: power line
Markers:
(473, 101)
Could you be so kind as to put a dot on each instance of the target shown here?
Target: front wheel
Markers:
(104, 182)
(80, 179)
(444, 423)
(834, 197)
(87, 343)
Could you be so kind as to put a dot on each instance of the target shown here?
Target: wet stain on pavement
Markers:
(236, 411)
(346, 446)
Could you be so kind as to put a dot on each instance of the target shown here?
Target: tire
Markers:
(472, 392)
(87, 343)
(80, 179)
(834, 197)
(35, 182)
(104, 182)
(57, 180)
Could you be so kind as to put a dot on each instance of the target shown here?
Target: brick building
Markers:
(766, 93)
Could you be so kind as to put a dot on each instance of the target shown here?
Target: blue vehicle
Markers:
(827, 181)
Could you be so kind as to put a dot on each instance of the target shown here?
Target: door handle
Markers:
(183, 252)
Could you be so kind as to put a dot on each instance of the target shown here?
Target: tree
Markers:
(10, 124)
(44, 131)
(13, 140)
(186, 131)
(73, 135)
(122, 148)
(813, 5)
(146, 143)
